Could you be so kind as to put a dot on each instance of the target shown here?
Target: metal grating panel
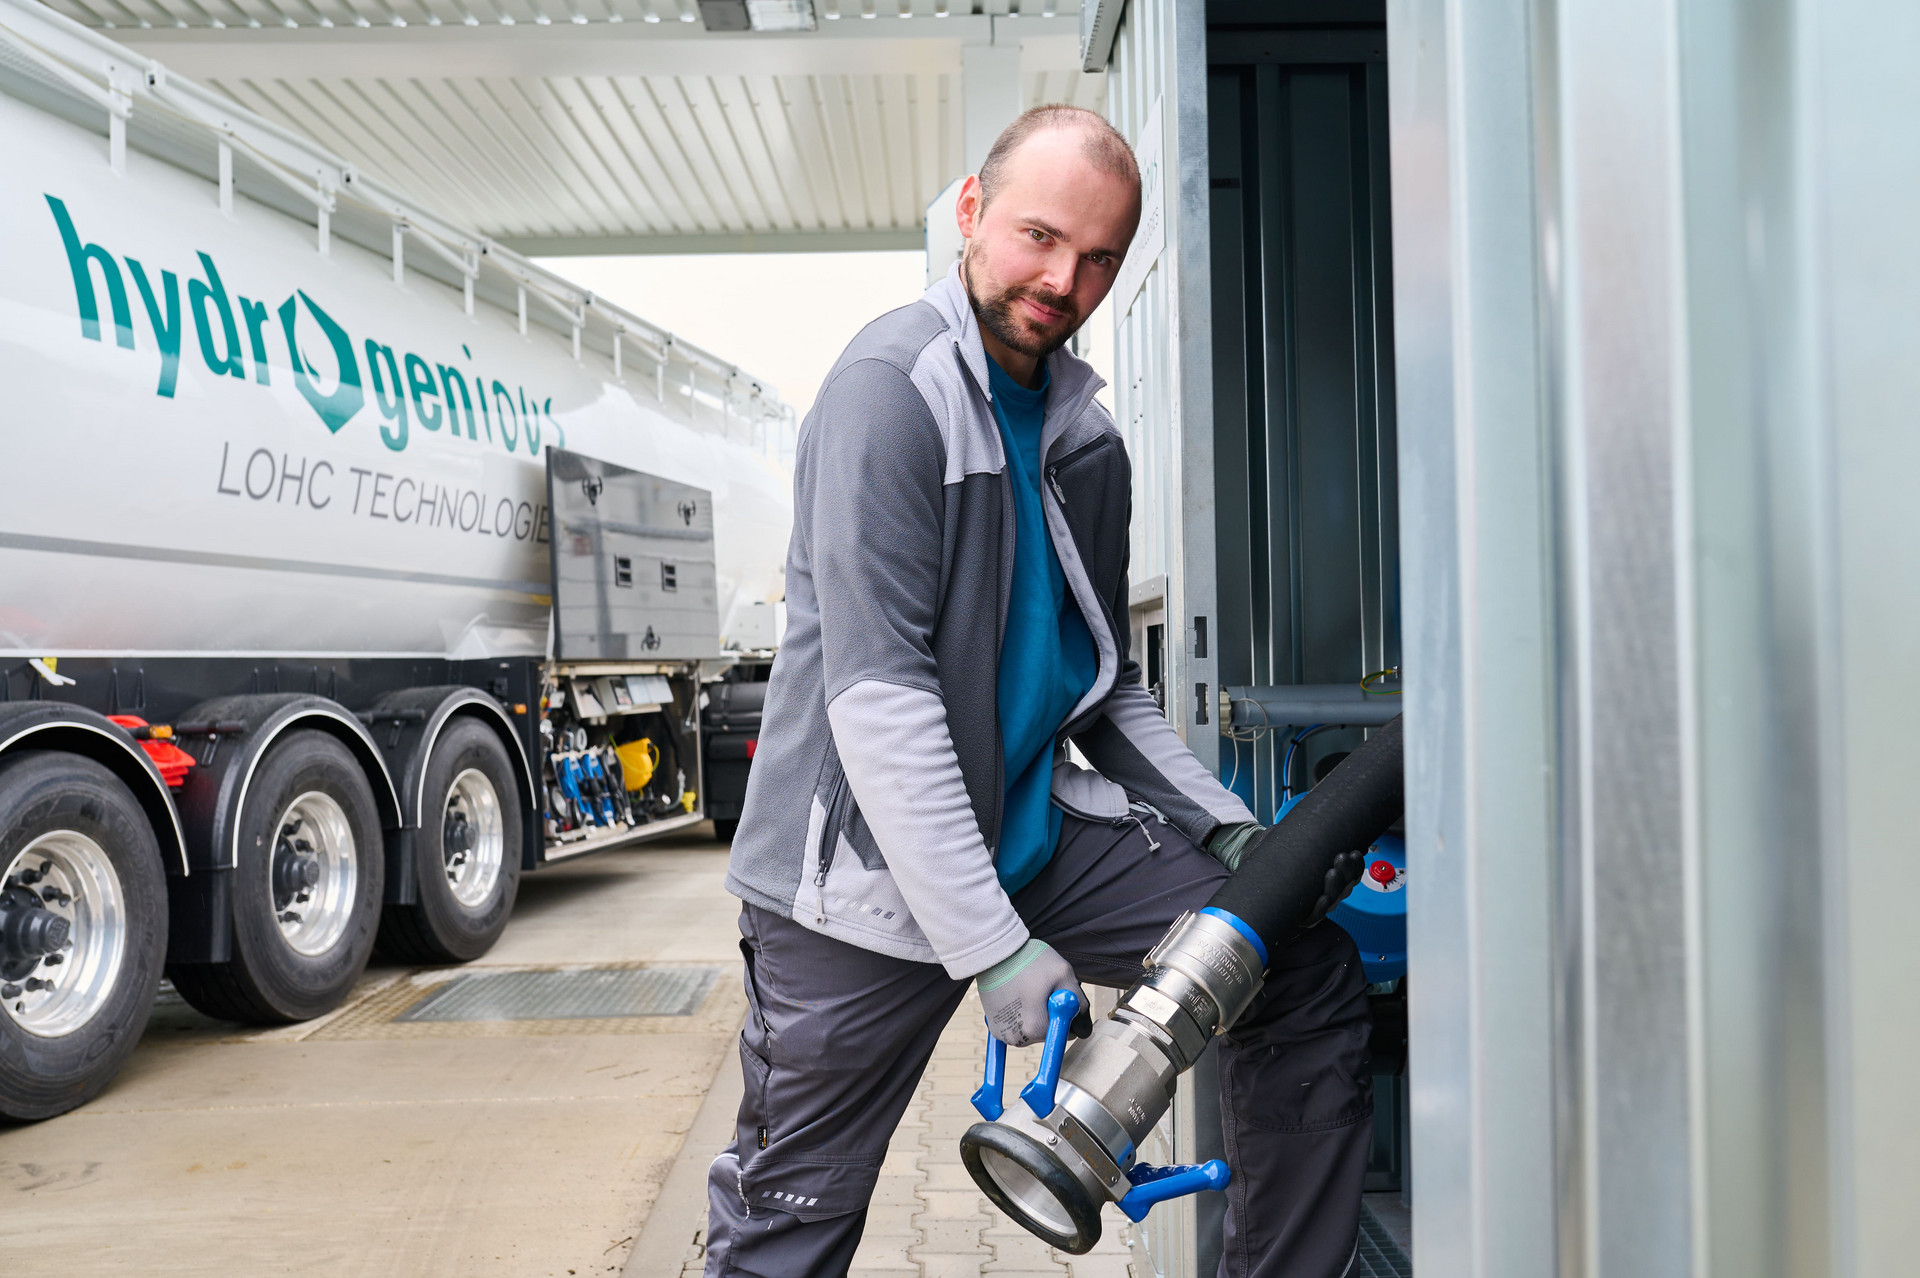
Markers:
(1380, 1256)
(594, 993)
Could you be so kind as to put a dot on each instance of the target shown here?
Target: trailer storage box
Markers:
(633, 573)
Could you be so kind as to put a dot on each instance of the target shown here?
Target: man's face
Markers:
(1043, 254)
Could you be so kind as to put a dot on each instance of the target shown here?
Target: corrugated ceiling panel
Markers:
(641, 156)
(222, 14)
(546, 139)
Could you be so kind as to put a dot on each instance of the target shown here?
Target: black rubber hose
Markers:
(1302, 867)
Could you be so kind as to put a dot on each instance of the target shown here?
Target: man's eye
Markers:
(1099, 259)
(1039, 237)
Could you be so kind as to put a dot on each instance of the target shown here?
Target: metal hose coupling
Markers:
(1067, 1147)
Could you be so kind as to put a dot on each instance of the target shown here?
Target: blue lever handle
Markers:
(988, 1099)
(1153, 1185)
(1062, 1007)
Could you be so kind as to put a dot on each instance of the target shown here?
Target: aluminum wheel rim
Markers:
(473, 859)
(314, 916)
(74, 878)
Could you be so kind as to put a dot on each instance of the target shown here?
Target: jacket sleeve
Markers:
(872, 475)
(1132, 744)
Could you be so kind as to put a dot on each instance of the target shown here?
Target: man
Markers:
(957, 612)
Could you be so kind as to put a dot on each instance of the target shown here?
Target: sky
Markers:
(782, 317)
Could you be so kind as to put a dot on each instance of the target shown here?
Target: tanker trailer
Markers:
(350, 566)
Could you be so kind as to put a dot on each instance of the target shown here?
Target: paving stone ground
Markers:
(928, 1220)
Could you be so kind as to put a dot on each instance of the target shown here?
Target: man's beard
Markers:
(997, 316)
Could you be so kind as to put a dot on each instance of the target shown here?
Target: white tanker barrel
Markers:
(265, 417)
(220, 441)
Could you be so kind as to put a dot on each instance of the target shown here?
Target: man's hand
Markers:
(1015, 990)
(1230, 843)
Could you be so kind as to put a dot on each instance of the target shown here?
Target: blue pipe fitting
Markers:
(1153, 1185)
(1062, 1007)
(988, 1099)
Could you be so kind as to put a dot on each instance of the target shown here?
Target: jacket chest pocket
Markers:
(1093, 488)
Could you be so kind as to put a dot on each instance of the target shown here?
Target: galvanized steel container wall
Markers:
(1163, 392)
(1163, 401)
(1655, 271)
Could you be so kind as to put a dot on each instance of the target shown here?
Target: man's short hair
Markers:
(1104, 148)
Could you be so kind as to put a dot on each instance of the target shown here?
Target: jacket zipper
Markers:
(1053, 481)
(820, 887)
(828, 833)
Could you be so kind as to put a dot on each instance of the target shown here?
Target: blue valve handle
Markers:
(1062, 1007)
(1152, 1185)
(988, 1099)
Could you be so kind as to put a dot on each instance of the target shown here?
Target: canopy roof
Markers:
(626, 126)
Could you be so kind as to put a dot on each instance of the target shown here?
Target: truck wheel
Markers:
(83, 930)
(306, 893)
(467, 860)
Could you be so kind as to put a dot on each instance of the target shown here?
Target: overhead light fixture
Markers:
(780, 15)
(757, 15)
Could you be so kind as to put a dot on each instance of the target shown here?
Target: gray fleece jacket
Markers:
(873, 808)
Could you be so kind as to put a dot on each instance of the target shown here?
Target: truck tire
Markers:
(306, 892)
(70, 828)
(467, 858)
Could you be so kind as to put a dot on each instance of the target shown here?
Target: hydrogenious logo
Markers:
(337, 409)
(320, 353)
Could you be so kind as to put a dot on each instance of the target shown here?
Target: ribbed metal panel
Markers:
(641, 156)
(613, 126)
(223, 14)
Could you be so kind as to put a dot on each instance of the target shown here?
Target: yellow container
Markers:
(638, 759)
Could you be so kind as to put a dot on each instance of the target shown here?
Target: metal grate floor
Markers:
(593, 993)
(1380, 1256)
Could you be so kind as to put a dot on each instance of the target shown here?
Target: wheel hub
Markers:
(473, 837)
(458, 838)
(63, 933)
(315, 873)
(295, 870)
(29, 932)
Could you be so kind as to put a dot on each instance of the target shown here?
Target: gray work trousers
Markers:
(837, 1038)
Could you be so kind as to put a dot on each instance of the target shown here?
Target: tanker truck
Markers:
(350, 565)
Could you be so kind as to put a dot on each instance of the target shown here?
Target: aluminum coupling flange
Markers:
(1200, 978)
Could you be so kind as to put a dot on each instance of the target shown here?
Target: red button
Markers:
(1381, 872)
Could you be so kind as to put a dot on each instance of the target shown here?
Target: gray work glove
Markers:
(1015, 990)
(1229, 843)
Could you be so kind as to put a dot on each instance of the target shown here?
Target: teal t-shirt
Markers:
(1047, 658)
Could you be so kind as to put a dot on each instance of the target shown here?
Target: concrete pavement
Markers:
(354, 1145)
(362, 1145)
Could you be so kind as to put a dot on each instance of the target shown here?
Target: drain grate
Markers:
(592, 994)
(1380, 1255)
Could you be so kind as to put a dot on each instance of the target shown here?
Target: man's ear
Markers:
(966, 209)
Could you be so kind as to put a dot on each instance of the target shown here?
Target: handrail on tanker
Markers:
(112, 77)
